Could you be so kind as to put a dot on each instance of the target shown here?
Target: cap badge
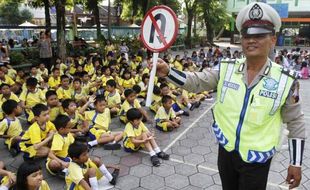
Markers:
(256, 12)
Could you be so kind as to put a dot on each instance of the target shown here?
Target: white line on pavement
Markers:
(215, 170)
(188, 128)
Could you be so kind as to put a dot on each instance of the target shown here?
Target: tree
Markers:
(191, 6)
(10, 13)
(134, 10)
(61, 24)
(93, 6)
(46, 4)
(214, 15)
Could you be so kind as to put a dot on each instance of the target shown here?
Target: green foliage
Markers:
(134, 10)
(16, 58)
(10, 14)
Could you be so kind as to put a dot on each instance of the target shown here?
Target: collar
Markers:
(265, 71)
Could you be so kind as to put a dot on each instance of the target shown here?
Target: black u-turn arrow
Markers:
(162, 19)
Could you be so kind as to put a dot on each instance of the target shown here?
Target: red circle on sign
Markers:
(175, 30)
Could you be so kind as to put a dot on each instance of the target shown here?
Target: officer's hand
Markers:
(162, 69)
(293, 176)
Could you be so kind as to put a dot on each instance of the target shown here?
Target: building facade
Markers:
(295, 16)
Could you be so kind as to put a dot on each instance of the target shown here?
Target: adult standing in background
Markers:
(254, 96)
(45, 47)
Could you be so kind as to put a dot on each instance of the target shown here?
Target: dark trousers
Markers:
(238, 175)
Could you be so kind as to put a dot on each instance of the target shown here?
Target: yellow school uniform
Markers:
(44, 186)
(99, 123)
(63, 68)
(125, 107)
(60, 146)
(162, 115)
(113, 99)
(127, 83)
(86, 87)
(19, 80)
(79, 95)
(134, 65)
(12, 128)
(72, 68)
(156, 103)
(7, 80)
(178, 65)
(38, 77)
(89, 68)
(54, 112)
(76, 173)
(132, 132)
(33, 136)
(12, 73)
(3, 99)
(64, 93)
(76, 120)
(31, 99)
(53, 82)
(146, 70)
(105, 79)
(43, 72)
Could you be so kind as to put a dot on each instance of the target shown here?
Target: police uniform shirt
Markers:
(291, 112)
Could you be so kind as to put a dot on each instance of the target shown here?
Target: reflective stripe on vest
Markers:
(280, 91)
(229, 72)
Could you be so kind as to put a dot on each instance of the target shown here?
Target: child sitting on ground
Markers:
(137, 136)
(113, 98)
(30, 97)
(165, 117)
(53, 104)
(79, 127)
(6, 94)
(98, 122)
(7, 178)
(29, 177)
(84, 173)
(64, 91)
(57, 160)
(35, 141)
(131, 102)
(10, 127)
(54, 80)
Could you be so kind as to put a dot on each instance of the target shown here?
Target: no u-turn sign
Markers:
(159, 28)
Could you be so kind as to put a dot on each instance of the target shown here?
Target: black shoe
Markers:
(112, 146)
(114, 175)
(197, 104)
(163, 155)
(193, 106)
(13, 152)
(185, 113)
(155, 161)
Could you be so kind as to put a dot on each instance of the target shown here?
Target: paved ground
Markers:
(193, 158)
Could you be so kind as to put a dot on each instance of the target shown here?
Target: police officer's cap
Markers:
(258, 18)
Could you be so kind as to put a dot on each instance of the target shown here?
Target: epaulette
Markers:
(290, 72)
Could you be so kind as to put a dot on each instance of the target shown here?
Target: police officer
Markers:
(254, 97)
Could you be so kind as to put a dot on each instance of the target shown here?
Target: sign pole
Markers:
(150, 88)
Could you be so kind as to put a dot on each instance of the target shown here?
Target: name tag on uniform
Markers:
(231, 85)
(268, 94)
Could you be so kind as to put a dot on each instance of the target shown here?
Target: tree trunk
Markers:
(195, 25)
(97, 18)
(47, 15)
(210, 32)
(189, 28)
(109, 20)
(61, 24)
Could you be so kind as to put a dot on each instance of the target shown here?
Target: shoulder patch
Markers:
(290, 72)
